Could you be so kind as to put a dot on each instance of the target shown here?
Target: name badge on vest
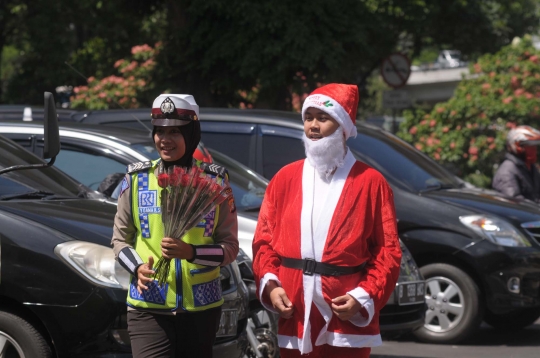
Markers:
(148, 202)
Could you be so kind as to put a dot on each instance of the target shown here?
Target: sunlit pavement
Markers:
(487, 342)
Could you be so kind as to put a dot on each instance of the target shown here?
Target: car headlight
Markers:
(496, 230)
(94, 262)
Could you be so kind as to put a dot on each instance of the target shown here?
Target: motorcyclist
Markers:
(518, 175)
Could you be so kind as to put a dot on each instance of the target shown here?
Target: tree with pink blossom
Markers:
(123, 90)
(467, 133)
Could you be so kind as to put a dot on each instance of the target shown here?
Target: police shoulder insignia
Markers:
(135, 167)
(214, 169)
(124, 187)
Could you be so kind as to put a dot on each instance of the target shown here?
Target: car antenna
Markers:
(118, 104)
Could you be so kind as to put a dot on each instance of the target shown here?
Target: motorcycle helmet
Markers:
(521, 137)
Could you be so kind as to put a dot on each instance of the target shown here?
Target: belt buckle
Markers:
(309, 267)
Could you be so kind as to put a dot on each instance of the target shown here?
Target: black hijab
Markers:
(192, 136)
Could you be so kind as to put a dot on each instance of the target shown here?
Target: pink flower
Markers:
(477, 68)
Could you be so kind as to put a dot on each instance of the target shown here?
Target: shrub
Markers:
(467, 133)
(124, 89)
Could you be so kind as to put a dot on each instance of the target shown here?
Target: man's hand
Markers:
(344, 307)
(144, 275)
(280, 300)
(176, 249)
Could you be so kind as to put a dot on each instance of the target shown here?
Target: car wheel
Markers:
(19, 339)
(454, 307)
(513, 320)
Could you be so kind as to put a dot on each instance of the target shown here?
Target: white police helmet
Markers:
(171, 110)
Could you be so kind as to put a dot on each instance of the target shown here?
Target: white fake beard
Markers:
(326, 154)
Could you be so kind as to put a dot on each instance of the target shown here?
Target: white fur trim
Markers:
(313, 242)
(289, 342)
(334, 339)
(353, 340)
(267, 277)
(335, 110)
(366, 301)
(306, 249)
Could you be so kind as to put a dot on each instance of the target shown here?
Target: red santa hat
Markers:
(340, 101)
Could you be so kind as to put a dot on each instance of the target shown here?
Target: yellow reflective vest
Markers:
(189, 286)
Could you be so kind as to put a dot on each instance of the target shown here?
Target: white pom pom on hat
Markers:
(340, 101)
(174, 110)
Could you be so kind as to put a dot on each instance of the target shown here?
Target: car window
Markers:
(248, 186)
(87, 168)
(235, 140)
(41, 179)
(280, 146)
(147, 149)
(133, 124)
(400, 163)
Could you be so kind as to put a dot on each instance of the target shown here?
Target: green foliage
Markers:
(125, 90)
(265, 54)
(467, 133)
(88, 35)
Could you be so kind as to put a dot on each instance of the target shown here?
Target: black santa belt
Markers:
(310, 267)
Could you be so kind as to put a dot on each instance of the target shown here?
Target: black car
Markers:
(479, 251)
(62, 293)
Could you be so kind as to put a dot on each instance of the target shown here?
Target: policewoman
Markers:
(180, 318)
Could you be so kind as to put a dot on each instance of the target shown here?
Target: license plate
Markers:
(410, 293)
(228, 323)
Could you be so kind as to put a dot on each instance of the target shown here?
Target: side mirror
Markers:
(52, 133)
(51, 138)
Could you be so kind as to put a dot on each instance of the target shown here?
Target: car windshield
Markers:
(31, 182)
(401, 164)
(248, 186)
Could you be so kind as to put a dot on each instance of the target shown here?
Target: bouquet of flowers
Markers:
(188, 195)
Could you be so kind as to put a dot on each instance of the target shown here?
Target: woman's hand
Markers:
(344, 307)
(176, 249)
(280, 300)
(144, 275)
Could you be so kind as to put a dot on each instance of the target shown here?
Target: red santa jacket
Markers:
(357, 224)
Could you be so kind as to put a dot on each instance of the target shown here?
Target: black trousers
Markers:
(188, 334)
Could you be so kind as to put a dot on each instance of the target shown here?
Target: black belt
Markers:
(310, 266)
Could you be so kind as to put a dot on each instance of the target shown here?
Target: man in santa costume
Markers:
(326, 249)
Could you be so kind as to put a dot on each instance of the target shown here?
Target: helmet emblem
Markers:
(167, 106)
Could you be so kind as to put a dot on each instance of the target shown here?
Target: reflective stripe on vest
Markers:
(189, 286)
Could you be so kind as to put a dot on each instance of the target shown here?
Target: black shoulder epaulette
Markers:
(135, 167)
(214, 169)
